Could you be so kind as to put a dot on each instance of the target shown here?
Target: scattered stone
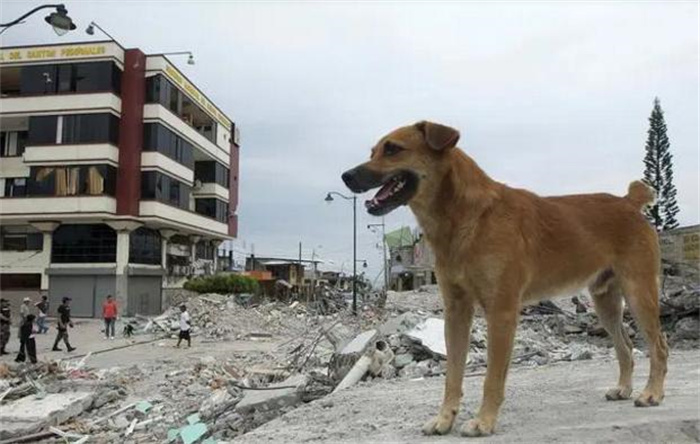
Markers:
(402, 360)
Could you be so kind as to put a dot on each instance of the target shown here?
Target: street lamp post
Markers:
(59, 19)
(353, 198)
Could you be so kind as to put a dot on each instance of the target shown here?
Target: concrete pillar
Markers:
(165, 236)
(123, 229)
(47, 229)
(216, 243)
(193, 249)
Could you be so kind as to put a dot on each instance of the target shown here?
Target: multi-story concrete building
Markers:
(117, 176)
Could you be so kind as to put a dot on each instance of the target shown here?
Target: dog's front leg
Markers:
(459, 311)
(501, 325)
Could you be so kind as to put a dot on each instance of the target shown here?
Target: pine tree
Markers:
(658, 172)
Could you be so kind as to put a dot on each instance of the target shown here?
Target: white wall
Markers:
(60, 103)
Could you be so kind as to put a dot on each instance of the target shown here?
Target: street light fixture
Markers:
(59, 20)
(353, 198)
(190, 59)
(90, 30)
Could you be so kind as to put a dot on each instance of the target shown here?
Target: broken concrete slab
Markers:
(400, 324)
(402, 360)
(431, 335)
(360, 343)
(282, 394)
(29, 415)
(220, 401)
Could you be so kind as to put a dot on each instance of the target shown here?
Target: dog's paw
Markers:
(648, 399)
(477, 427)
(618, 393)
(440, 424)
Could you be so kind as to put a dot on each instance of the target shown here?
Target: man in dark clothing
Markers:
(43, 307)
(64, 322)
(5, 318)
(27, 345)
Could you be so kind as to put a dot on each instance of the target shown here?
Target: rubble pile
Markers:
(680, 308)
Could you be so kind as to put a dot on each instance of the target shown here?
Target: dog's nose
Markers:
(349, 179)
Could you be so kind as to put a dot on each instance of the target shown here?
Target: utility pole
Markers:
(299, 271)
(386, 264)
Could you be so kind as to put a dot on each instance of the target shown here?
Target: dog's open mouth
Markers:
(396, 191)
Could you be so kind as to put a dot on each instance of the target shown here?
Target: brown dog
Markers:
(500, 247)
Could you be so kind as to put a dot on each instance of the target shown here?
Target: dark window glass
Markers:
(20, 238)
(38, 79)
(158, 138)
(90, 128)
(214, 208)
(153, 89)
(12, 143)
(15, 187)
(84, 244)
(211, 172)
(42, 130)
(157, 186)
(145, 247)
(70, 78)
(83, 180)
(205, 250)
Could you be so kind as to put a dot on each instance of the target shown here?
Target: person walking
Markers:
(5, 319)
(43, 309)
(24, 310)
(109, 314)
(27, 343)
(64, 321)
(184, 326)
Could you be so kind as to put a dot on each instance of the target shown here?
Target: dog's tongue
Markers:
(384, 192)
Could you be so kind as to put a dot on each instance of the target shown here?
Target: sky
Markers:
(550, 96)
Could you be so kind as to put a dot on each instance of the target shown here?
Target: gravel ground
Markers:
(561, 402)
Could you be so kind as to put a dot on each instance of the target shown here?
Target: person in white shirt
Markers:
(184, 326)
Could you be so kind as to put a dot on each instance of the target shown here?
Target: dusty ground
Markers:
(87, 337)
(561, 402)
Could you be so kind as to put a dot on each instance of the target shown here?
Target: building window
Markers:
(145, 247)
(78, 180)
(157, 186)
(211, 172)
(214, 208)
(90, 128)
(20, 238)
(12, 143)
(84, 244)
(161, 90)
(42, 130)
(205, 250)
(158, 138)
(15, 187)
(71, 78)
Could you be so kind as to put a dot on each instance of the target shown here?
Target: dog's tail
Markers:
(640, 194)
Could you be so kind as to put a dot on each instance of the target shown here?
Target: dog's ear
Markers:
(439, 137)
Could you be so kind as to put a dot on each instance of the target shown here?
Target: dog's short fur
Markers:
(500, 247)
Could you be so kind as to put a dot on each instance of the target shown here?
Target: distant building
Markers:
(118, 176)
(411, 262)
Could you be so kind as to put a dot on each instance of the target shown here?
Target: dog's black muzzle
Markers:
(361, 179)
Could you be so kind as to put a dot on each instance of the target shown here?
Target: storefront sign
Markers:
(49, 53)
(177, 78)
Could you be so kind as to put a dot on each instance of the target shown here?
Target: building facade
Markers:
(117, 176)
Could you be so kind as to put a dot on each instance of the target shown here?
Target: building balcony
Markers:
(72, 154)
(154, 111)
(210, 190)
(155, 161)
(49, 208)
(167, 216)
(60, 103)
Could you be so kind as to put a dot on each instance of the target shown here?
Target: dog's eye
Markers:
(391, 149)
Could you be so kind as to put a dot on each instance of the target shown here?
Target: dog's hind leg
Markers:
(608, 300)
(502, 321)
(459, 312)
(642, 292)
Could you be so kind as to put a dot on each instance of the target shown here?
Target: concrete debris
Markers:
(431, 335)
(283, 394)
(294, 352)
(30, 415)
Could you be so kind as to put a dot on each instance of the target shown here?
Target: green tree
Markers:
(658, 172)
